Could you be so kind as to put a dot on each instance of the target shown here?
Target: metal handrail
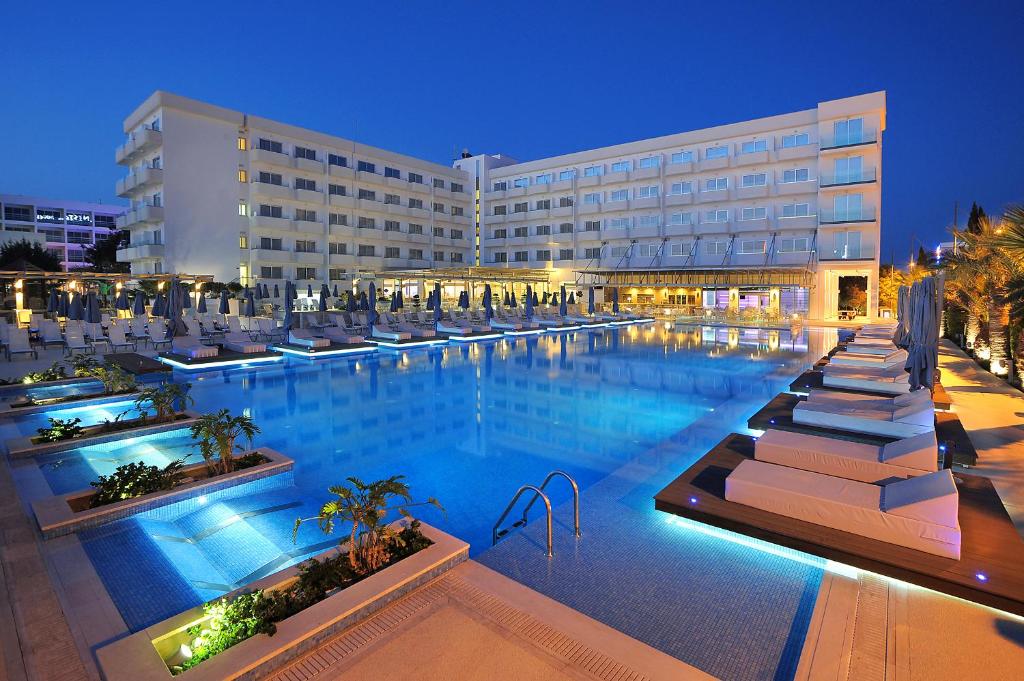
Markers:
(547, 505)
(575, 498)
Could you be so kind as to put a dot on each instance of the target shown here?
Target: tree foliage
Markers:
(13, 253)
(102, 255)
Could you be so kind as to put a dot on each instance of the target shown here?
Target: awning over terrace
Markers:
(705, 277)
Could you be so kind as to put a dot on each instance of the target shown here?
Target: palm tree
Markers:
(216, 434)
(167, 399)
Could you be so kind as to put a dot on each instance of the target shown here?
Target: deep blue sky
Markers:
(527, 79)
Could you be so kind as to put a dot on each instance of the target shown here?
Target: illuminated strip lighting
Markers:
(414, 344)
(219, 365)
(556, 329)
(324, 353)
(595, 326)
(525, 332)
(468, 339)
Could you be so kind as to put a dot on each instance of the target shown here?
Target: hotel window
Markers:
(500, 186)
(795, 210)
(680, 248)
(543, 204)
(270, 178)
(243, 175)
(416, 253)
(544, 178)
(76, 255)
(271, 244)
(754, 180)
(650, 220)
(415, 228)
(649, 191)
(415, 178)
(366, 223)
(105, 221)
(795, 140)
(543, 256)
(438, 256)
(521, 256)
(520, 207)
(438, 184)
(848, 132)
(243, 208)
(438, 207)
(592, 253)
(392, 172)
(439, 231)
(650, 162)
(847, 245)
(337, 190)
(521, 182)
(156, 163)
(305, 246)
(305, 273)
(543, 230)
(622, 166)
(500, 210)
(593, 171)
(337, 160)
(243, 240)
(392, 199)
(500, 257)
(619, 251)
(565, 202)
(754, 213)
(337, 248)
(303, 183)
(457, 188)
(303, 215)
(56, 252)
(619, 195)
(799, 244)
(521, 231)
(52, 235)
(337, 219)
(271, 272)
(19, 213)
(270, 211)
(455, 256)
(754, 146)
(392, 252)
(306, 153)
(243, 144)
(456, 234)
(619, 223)
(392, 226)
(79, 237)
(366, 167)
(367, 195)
(720, 215)
(271, 145)
(849, 169)
(646, 250)
(748, 247)
(500, 233)
(795, 175)
(716, 152)
(565, 228)
(566, 175)
(682, 157)
(367, 250)
(679, 188)
(565, 254)
(416, 203)
(335, 274)
(592, 226)
(717, 247)
(681, 219)
(716, 184)
(592, 198)
(847, 207)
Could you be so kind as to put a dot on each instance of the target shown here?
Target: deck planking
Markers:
(990, 544)
(137, 364)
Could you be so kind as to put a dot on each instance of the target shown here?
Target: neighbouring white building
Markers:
(780, 211)
(65, 228)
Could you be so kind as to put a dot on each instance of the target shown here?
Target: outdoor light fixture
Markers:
(693, 500)
(981, 576)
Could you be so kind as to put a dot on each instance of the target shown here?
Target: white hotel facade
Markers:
(781, 207)
(63, 227)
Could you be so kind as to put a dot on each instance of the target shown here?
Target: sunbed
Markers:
(191, 347)
(893, 358)
(74, 341)
(305, 338)
(464, 320)
(382, 330)
(870, 349)
(904, 458)
(117, 339)
(399, 323)
(495, 322)
(919, 513)
(903, 422)
(243, 343)
(338, 334)
(454, 328)
(269, 329)
(18, 343)
(49, 333)
(861, 401)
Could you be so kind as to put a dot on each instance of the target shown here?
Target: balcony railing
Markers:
(866, 252)
(856, 177)
(849, 140)
(828, 216)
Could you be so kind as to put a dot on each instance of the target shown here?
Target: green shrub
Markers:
(167, 399)
(60, 429)
(135, 479)
(84, 365)
(56, 372)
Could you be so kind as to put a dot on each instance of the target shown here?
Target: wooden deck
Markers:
(990, 546)
(778, 414)
(137, 364)
(815, 380)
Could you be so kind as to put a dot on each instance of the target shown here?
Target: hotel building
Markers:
(65, 228)
(780, 212)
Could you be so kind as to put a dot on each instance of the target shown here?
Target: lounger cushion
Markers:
(930, 498)
(846, 505)
(308, 340)
(189, 347)
(918, 397)
(919, 452)
(240, 342)
(864, 421)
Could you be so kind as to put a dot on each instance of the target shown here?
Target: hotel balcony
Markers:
(561, 186)
(310, 195)
(273, 255)
(839, 217)
(755, 225)
(714, 163)
(588, 181)
(308, 226)
(341, 171)
(145, 177)
(309, 258)
(752, 158)
(797, 222)
(615, 178)
(865, 252)
(140, 251)
(589, 208)
(752, 192)
(272, 158)
(645, 173)
(141, 214)
(561, 212)
(309, 165)
(274, 191)
(647, 231)
(684, 168)
(539, 214)
(865, 176)
(142, 141)
(832, 144)
(713, 196)
(679, 199)
(713, 227)
(648, 202)
(795, 188)
(366, 177)
(341, 200)
(797, 152)
(343, 259)
(561, 237)
(418, 187)
(678, 230)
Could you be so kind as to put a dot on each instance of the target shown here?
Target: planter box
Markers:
(7, 410)
(140, 657)
(23, 447)
(56, 516)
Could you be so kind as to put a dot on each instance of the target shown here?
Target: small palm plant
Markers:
(167, 399)
(216, 434)
(365, 506)
(115, 380)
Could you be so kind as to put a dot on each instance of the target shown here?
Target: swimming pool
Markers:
(622, 410)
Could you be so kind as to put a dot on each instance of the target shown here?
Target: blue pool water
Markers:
(623, 411)
(48, 392)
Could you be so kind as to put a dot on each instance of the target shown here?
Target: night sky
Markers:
(528, 80)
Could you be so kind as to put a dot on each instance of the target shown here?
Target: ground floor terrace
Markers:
(623, 411)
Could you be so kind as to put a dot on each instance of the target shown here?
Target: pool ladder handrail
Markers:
(538, 493)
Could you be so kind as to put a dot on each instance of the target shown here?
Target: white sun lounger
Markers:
(243, 343)
(901, 459)
(191, 347)
(18, 343)
(463, 319)
(340, 335)
(305, 338)
(902, 422)
(919, 513)
(860, 401)
(861, 349)
(891, 359)
(453, 328)
(381, 330)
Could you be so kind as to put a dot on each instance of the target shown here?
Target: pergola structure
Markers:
(706, 277)
(492, 275)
